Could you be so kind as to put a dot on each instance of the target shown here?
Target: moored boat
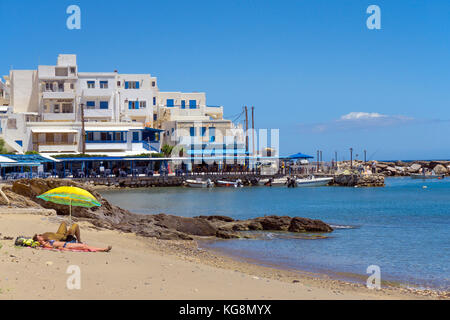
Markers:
(229, 184)
(273, 182)
(198, 183)
(313, 182)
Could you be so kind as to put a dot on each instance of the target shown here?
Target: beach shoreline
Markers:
(149, 268)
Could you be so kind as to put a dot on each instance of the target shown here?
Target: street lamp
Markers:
(83, 131)
(351, 158)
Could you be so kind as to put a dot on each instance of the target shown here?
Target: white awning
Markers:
(4, 108)
(53, 130)
(6, 160)
(99, 128)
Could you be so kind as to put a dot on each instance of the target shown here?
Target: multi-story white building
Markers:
(124, 114)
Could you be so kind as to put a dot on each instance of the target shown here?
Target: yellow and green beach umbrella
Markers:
(71, 196)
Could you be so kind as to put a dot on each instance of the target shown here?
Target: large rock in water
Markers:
(196, 227)
(161, 226)
(440, 169)
(308, 225)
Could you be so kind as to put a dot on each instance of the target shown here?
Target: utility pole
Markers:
(365, 156)
(321, 160)
(83, 131)
(246, 131)
(335, 157)
(351, 158)
(253, 130)
(318, 159)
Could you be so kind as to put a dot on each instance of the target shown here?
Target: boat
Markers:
(427, 176)
(273, 182)
(198, 183)
(229, 184)
(313, 182)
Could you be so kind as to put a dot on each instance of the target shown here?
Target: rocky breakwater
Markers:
(23, 193)
(398, 168)
(358, 180)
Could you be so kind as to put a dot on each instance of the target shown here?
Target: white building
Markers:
(124, 114)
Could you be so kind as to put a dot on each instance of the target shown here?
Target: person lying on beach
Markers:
(65, 234)
(62, 245)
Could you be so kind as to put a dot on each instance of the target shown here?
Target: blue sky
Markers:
(311, 68)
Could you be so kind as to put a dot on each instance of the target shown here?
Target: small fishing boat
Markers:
(313, 182)
(198, 183)
(427, 176)
(229, 184)
(273, 182)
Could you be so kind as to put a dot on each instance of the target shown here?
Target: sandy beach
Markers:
(146, 268)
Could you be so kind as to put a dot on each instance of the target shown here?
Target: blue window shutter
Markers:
(192, 104)
(126, 84)
(137, 84)
(154, 101)
(90, 103)
(170, 102)
(203, 131)
(192, 131)
(130, 104)
(103, 104)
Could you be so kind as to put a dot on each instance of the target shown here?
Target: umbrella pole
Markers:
(70, 213)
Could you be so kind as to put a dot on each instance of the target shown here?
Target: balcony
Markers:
(106, 145)
(137, 112)
(58, 116)
(55, 147)
(58, 95)
(97, 92)
(97, 113)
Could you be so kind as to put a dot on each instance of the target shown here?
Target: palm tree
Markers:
(167, 150)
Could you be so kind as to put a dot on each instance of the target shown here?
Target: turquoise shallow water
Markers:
(403, 228)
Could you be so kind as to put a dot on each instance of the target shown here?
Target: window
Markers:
(203, 131)
(170, 103)
(192, 131)
(183, 104)
(104, 104)
(49, 86)
(142, 104)
(89, 136)
(135, 136)
(103, 84)
(154, 101)
(192, 104)
(67, 108)
(72, 70)
(131, 84)
(61, 87)
(133, 105)
(72, 86)
(91, 84)
(118, 83)
(212, 134)
(117, 136)
(153, 83)
(155, 117)
(56, 108)
(90, 104)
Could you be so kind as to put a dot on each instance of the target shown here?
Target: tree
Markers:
(167, 150)
(2, 147)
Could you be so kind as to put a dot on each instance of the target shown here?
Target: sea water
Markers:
(404, 228)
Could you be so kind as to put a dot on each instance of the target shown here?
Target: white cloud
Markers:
(362, 115)
(360, 121)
